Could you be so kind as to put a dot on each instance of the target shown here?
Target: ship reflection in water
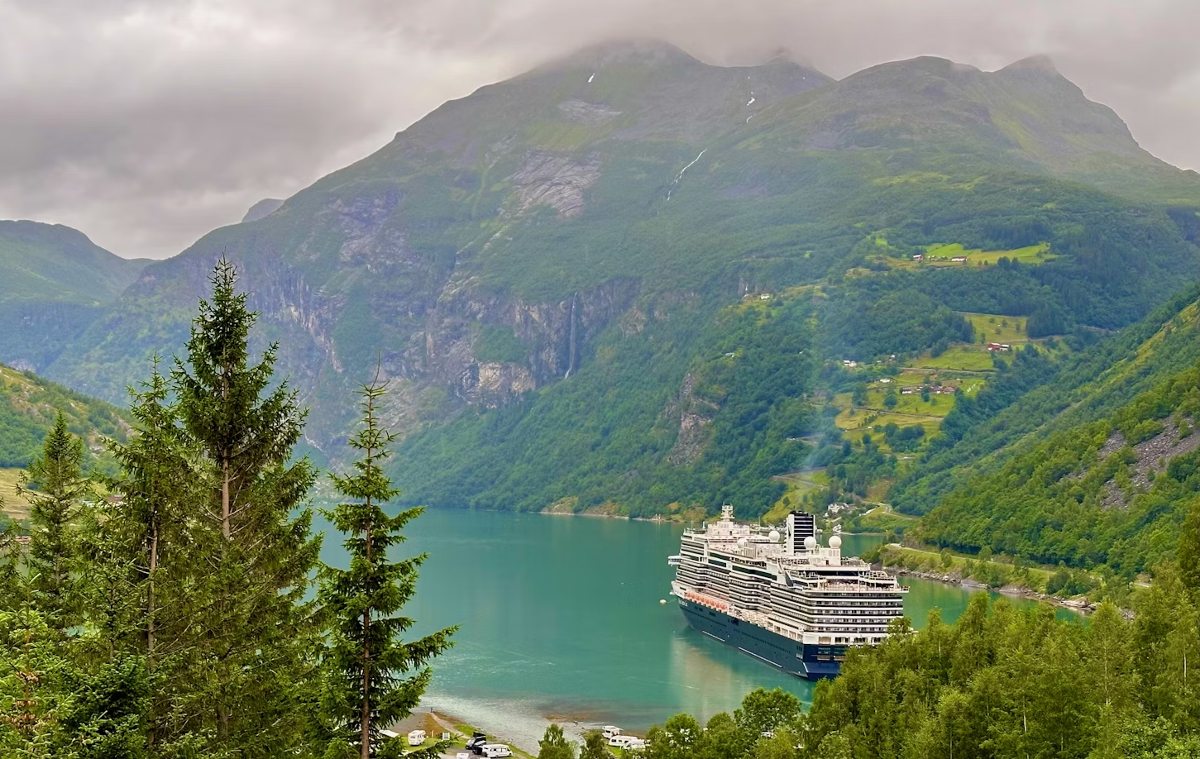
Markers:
(705, 680)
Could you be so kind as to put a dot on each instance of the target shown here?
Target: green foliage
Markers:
(377, 678)
(554, 745)
(257, 632)
(173, 619)
(1075, 497)
(628, 449)
(57, 494)
(1008, 683)
(767, 726)
(28, 408)
(879, 316)
(498, 343)
(595, 746)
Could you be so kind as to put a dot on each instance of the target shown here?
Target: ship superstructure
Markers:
(782, 597)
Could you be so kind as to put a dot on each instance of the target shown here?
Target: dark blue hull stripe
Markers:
(772, 648)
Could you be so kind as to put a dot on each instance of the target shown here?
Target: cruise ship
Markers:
(783, 599)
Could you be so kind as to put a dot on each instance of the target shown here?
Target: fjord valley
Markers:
(953, 308)
(629, 282)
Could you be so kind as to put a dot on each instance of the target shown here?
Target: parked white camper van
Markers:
(496, 751)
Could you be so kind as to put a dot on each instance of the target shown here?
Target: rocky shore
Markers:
(1078, 604)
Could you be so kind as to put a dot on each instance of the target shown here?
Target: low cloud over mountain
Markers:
(146, 124)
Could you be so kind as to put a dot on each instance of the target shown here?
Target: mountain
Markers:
(53, 280)
(262, 209)
(1026, 116)
(632, 282)
(28, 405)
(1086, 461)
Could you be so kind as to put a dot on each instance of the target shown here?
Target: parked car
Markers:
(476, 743)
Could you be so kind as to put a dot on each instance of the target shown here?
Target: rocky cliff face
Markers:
(380, 301)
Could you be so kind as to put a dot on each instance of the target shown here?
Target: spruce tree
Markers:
(146, 553)
(376, 677)
(256, 634)
(56, 489)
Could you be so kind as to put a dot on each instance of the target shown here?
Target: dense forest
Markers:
(1037, 391)
(1112, 492)
(177, 607)
(1078, 458)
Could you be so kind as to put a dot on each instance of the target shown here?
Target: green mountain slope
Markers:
(554, 270)
(1088, 462)
(53, 280)
(28, 405)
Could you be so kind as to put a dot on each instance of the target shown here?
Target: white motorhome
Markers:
(416, 737)
(496, 751)
(610, 732)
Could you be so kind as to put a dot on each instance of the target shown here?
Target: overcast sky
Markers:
(146, 124)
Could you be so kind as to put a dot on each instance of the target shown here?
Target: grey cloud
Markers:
(145, 124)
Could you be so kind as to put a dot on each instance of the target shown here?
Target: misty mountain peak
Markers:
(1042, 64)
(646, 51)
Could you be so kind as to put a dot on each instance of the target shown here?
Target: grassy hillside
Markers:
(28, 405)
(44, 261)
(1081, 458)
(53, 282)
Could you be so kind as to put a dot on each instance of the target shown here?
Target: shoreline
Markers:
(1079, 604)
(500, 720)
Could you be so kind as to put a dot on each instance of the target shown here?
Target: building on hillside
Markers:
(958, 259)
(919, 257)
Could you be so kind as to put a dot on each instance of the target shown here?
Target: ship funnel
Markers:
(799, 527)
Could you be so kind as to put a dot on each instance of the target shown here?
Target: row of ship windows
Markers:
(848, 606)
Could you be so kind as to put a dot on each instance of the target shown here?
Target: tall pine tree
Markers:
(257, 635)
(146, 551)
(56, 489)
(375, 677)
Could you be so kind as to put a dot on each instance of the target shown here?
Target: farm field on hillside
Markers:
(944, 255)
(10, 503)
(994, 328)
(941, 255)
(959, 356)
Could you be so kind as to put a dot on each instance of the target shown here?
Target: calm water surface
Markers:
(560, 618)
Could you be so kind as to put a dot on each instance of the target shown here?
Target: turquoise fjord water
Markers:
(560, 619)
